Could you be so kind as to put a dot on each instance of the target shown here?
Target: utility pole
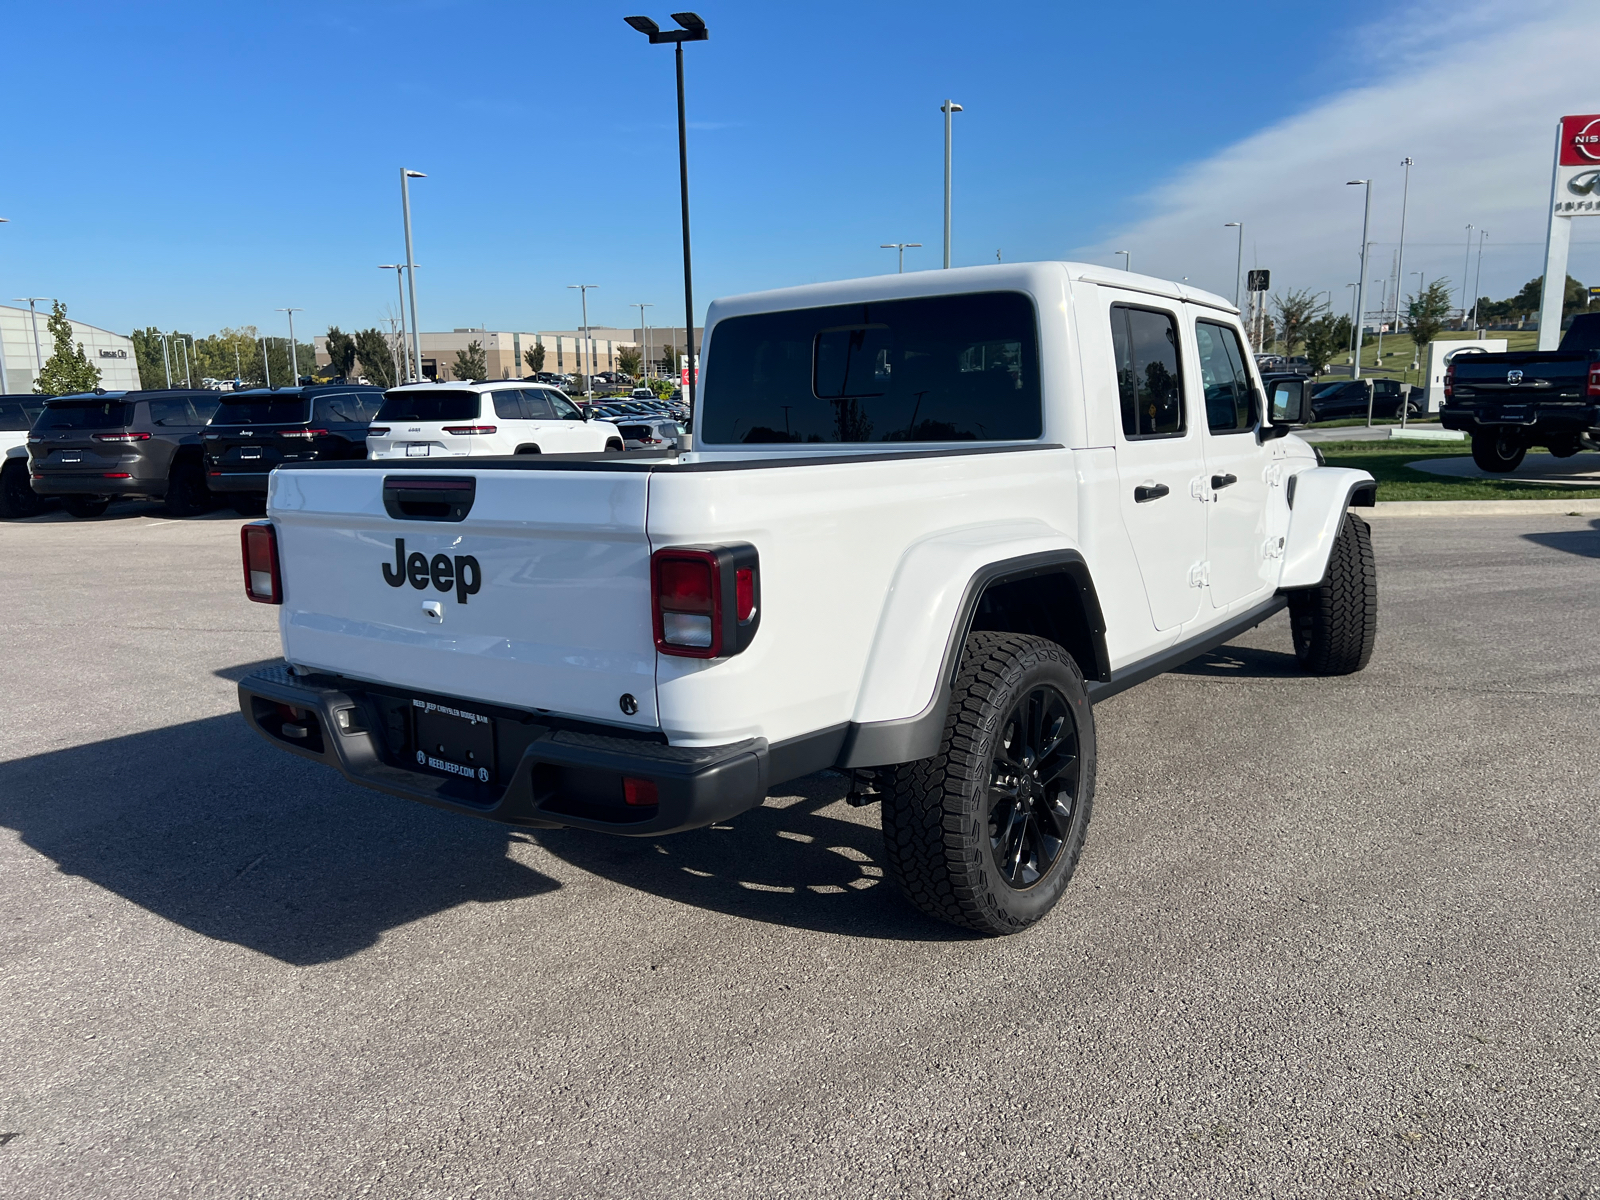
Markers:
(294, 359)
(406, 176)
(948, 108)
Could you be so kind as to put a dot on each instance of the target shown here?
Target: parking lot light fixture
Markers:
(644, 339)
(1361, 290)
(294, 360)
(585, 357)
(399, 269)
(949, 108)
(33, 316)
(691, 29)
(902, 247)
(1127, 260)
(5, 387)
(406, 176)
(1238, 262)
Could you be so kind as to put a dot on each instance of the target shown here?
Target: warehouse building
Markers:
(26, 345)
(506, 350)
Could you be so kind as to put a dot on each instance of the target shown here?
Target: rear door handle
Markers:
(1147, 492)
(1218, 482)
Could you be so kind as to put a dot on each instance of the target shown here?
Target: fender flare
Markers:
(880, 742)
(1318, 500)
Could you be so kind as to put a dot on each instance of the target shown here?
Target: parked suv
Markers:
(259, 429)
(93, 447)
(448, 420)
(17, 415)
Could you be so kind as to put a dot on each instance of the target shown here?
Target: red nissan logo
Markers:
(1587, 141)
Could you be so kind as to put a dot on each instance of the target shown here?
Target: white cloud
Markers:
(1471, 93)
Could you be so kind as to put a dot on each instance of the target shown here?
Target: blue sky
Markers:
(200, 165)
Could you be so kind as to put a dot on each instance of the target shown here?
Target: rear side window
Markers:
(563, 408)
(536, 404)
(931, 369)
(430, 405)
(508, 405)
(1230, 398)
(261, 410)
(1149, 382)
(355, 408)
(19, 414)
(86, 414)
(167, 413)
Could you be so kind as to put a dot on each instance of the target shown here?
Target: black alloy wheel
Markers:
(1032, 787)
(1497, 450)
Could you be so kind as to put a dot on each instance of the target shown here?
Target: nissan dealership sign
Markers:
(1574, 192)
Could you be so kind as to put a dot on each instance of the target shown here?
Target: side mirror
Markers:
(1288, 403)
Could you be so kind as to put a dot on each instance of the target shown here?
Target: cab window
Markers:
(1230, 397)
(1149, 381)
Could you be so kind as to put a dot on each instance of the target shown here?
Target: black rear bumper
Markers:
(561, 778)
(237, 481)
(1534, 418)
(94, 483)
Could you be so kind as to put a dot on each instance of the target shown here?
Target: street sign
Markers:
(1260, 281)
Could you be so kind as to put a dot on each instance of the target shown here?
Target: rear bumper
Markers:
(562, 778)
(94, 483)
(1543, 418)
(237, 481)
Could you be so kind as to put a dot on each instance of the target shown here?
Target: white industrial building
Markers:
(21, 356)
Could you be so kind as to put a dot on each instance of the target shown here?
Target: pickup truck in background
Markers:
(1511, 401)
(927, 521)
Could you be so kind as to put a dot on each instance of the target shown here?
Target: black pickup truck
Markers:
(1508, 402)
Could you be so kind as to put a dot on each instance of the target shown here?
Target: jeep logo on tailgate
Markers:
(463, 573)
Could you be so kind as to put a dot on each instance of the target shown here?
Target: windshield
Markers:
(931, 369)
(20, 414)
(430, 406)
(260, 410)
(85, 414)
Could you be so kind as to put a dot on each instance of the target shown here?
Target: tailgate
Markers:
(545, 596)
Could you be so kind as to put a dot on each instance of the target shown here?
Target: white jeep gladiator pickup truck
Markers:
(927, 521)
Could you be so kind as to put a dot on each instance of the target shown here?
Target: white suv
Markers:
(449, 420)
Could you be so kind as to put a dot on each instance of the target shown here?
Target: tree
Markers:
(1326, 338)
(373, 348)
(473, 362)
(68, 370)
(147, 354)
(629, 359)
(671, 357)
(341, 352)
(1295, 311)
(1426, 312)
(534, 357)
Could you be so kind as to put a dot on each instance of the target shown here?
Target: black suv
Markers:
(1331, 401)
(93, 447)
(17, 415)
(254, 431)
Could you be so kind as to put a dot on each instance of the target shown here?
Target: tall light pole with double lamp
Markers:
(1238, 261)
(406, 176)
(949, 108)
(294, 359)
(644, 338)
(588, 352)
(1361, 289)
(691, 29)
(902, 247)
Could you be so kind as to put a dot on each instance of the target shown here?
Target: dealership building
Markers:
(505, 350)
(26, 345)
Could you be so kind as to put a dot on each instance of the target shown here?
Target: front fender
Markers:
(1321, 496)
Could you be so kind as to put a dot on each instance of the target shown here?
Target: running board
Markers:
(1136, 673)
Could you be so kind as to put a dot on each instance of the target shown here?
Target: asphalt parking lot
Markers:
(1329, 937)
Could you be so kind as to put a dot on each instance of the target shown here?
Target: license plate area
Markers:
(1517, 414)
(71, 457)
(452, 741)
(416, 449)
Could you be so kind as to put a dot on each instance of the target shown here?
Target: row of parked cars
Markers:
(191, 448)
(1338, 399)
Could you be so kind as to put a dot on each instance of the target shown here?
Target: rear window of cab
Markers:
(928, 369)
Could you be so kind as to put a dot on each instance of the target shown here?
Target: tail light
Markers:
(115, 475)
(259, 541)
(641, 793)
(373, 431)
(706, 600)
(1594, 379)
(1450, 381)
(302, 434)
(122, 437)
(465, 430)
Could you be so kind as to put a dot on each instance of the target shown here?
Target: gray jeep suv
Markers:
(93, 447)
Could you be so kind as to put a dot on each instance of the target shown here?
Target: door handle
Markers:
(1147, 492)
(1218, 482)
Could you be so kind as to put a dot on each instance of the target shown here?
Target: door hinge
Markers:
(1200, 574)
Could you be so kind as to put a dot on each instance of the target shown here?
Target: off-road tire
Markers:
(1335, 624)
(187, 494)
(17, 499)
(1498, 452)
(248, 504)
(936, 811)
(85, 506)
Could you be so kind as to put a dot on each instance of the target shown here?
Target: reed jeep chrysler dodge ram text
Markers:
(928, 520)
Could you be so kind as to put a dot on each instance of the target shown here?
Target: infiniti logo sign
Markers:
(1586, 183)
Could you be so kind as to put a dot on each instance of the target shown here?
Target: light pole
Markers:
(1400, 259)
(1238, 262)
(1466, 262)
(188, 375)
(294, 358)
(644, 336)
(395, 342)
(1416, 352)
(1361, 291)
(166, 363)
(1477, 279)
(1352, 322)
(691, 29)
(266, 366)
(5, 386)
(406, 176)
(399, 287)
(1127, 259)
(583, 292)
(902, 247)
(33, 316)
(949, 108)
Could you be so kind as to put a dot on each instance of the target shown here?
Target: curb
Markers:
(1483, 508)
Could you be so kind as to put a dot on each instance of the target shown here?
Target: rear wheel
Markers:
(247, 504)
(987, 833)
(85, 506)
(1496, 450)
(187, 494)
(1335, 624)
(1563, 447)
(17, 499)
